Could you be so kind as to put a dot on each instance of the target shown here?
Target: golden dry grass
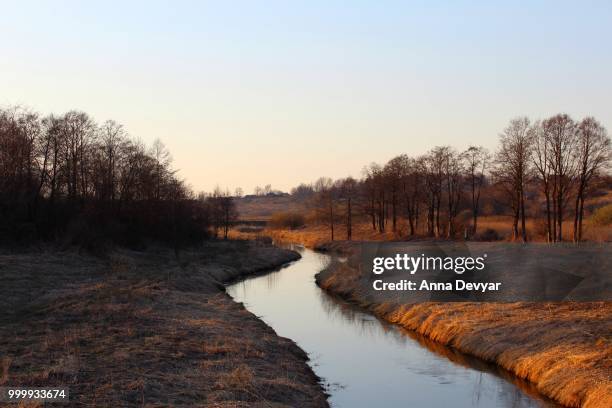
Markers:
(537, 232)
(317, 234)
(314, 235)
(563, 349)
(141, 329)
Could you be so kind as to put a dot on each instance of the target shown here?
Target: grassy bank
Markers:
(141, 328)
(564, 349)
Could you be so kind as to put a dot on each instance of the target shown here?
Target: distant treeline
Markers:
(554, 164)
(65, 177)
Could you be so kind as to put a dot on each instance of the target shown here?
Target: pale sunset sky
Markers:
(247, 93)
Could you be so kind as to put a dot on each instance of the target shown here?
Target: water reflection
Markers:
(365, 361)
(511, 395)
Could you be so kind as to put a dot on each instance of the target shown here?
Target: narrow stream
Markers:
(366, 362)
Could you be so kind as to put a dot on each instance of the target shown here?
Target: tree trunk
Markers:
(576, 216)
(560, 216)
(515, 227)
(331, 218)
(430, 218)
(515, 220)
(554, 217)
(523, 228)
(410, 217)
(394, 210)
(549, 237)
(349, 221)
(438, 219)
(416, 216)
(581, 218)
(373, 214)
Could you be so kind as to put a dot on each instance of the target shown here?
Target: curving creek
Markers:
(364, 361)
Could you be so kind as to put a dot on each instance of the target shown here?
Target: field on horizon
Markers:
(316, 230)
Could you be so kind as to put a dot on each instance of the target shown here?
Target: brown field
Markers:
(313, 235)
(262, 208)
(563, 349)
(537, 230)
(139, 329)
(316, 234)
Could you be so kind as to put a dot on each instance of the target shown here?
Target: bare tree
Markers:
(348, 192)
(216, 210)
(112, 139)
(370, 188)
(229, 213)
(543, 165)
(477, 159)
(302, 191)
(78, 137)
(410, 180)
(162, 163)
(592, 154)
(392, 173)
(435, 165)
(325, 190)
(20, 131)
(60, 167)
(453, 170)
(513, 168)
(560, 134)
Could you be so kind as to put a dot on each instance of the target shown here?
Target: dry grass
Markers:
(262, 208)
(312, 236)
(141, 329)
(537, 232)
(563, 349)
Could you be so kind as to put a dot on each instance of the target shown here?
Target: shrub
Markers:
(602, 217)
(250, 229)
(263, 240)
(290, 220)
(488, 234)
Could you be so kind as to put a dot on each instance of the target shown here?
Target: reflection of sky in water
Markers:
(364, 361)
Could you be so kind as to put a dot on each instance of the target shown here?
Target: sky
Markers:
(248, 93)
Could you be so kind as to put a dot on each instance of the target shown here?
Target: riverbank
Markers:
(564, 349)
(143, 328)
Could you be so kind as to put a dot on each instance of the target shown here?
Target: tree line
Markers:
(68, 177)
(555, 164)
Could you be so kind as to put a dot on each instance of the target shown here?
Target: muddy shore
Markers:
(564, 349)
(148, 329)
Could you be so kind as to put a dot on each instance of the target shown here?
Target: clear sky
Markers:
(250, 93)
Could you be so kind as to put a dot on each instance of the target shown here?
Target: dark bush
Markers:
(488, 234)
(289, 220)
(250, 229)
(602, 217)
